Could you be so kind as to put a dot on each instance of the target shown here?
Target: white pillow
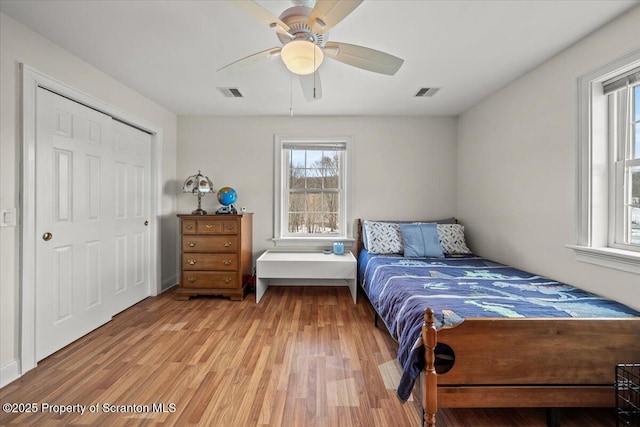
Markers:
(382, 237)
(452, 239)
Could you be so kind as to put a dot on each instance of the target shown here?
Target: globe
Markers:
(227, 196)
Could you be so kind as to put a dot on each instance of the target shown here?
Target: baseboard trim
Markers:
(9, 373)
(169, 283)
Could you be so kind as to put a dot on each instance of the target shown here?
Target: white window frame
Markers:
(281, 237)
(595, 216)
(621, 132)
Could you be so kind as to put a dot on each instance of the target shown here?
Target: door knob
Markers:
(146, 223)
(47, 236)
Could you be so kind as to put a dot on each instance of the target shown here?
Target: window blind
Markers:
(335, 146)
(621, 81)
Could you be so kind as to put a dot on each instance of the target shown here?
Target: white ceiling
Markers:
(169, 51)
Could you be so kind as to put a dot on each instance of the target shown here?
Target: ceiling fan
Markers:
(302, 31)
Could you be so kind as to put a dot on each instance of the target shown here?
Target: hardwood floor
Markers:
(304, 356)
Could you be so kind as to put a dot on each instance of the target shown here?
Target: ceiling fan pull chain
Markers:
(315, 73)
(291, 94)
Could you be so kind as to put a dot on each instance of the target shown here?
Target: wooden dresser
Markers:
(216, 255)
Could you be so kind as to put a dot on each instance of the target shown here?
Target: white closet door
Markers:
(74, 198)
(132, 208)
(93, 196)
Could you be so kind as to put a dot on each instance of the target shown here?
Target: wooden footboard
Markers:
(506, 362)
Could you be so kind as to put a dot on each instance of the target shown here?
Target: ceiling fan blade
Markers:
(328, 13)
(311, 86)
(252, 59)
(363, 57)
(262, 15)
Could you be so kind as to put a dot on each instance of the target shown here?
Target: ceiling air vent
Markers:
(427, 91)
(230, 92)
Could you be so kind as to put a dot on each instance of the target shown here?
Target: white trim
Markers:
(311, 243)
(617, 259)
(584, 146)
(9, 372)
(169, 282)
(589, 233)
(279, 168)
(31, 80)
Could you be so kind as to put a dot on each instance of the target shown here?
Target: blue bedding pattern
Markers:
(461, 286)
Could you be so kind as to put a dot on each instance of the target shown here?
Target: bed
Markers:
(477, 333)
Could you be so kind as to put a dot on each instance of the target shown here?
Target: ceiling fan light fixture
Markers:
(301, 56)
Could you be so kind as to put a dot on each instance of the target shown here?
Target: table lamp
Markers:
(199, 185)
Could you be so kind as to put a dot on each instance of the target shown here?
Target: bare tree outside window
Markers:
(314, 191)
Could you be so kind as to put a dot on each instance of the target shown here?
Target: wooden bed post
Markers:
(430, 389)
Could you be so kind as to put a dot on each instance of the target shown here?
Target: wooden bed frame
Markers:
(519, 362)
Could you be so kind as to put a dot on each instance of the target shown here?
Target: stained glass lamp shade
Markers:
(199, 185)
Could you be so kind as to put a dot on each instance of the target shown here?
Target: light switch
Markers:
(8, 217)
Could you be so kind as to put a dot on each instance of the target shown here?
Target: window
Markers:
(624, 136)
(608, 196)
(311, 189)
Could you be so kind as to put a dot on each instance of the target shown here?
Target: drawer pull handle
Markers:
(209, 225)
(191, 244)
(227, 244)
(231, 227)
(189, 227)
(227, 280)
(226, 262)
(192, 261)
(191, 279)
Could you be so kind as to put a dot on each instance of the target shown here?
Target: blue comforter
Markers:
(457, 287)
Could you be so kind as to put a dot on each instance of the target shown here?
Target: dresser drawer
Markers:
(230, 226)
(188, 226)
(216, 226)
(209, 243)
(209, 226)
(198, 261)
(209, 279)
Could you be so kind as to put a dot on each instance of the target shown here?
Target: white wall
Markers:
(517, 167)
(403, 168)
(21, 45)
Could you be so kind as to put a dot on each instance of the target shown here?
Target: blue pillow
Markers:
(421, 240)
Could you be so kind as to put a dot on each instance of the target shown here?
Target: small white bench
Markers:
(307, 268)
